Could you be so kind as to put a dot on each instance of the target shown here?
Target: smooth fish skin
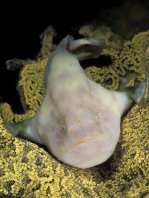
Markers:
(79, 120)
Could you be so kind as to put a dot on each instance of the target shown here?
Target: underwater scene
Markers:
(74, 111)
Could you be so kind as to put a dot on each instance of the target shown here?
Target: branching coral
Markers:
(27, 170)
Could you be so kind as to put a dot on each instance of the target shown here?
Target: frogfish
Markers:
(79, 119)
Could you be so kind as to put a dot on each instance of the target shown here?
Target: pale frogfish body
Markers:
(79, 120)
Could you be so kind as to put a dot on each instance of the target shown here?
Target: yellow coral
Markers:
(28, 170)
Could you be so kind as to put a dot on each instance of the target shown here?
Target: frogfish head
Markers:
(86, 147)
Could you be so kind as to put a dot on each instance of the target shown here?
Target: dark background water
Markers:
(23, 21)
